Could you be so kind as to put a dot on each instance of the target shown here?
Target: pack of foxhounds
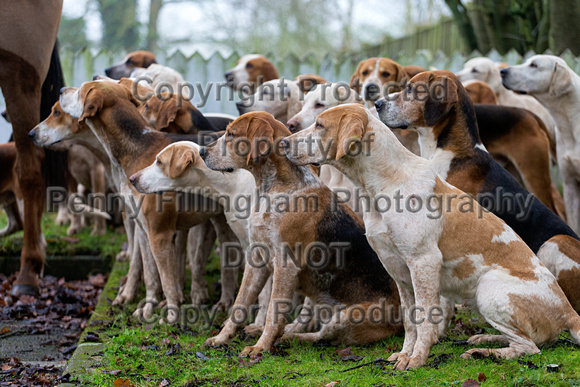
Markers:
(323, 165)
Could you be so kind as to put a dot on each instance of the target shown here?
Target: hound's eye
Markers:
(409, 88)
(146, 107)
(231, 135)
(249, 66)
(533, 64)
(55, 113)
(474, 70)
(318, 126)
(365, 73)
(385, 74)
(319, 105)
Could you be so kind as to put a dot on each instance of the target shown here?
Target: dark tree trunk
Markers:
(463, 23)
(564, 30)
(152, 34)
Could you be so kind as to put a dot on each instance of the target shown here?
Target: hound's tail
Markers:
(92, 212)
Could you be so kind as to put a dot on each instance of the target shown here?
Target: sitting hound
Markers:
(461, 251)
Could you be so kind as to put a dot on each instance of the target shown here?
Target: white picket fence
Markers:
(206, 72)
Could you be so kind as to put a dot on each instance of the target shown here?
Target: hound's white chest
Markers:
(380, 239)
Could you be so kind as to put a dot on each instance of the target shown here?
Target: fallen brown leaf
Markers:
(470, 383)
(122, 383)
(344, 352)
(481, 377)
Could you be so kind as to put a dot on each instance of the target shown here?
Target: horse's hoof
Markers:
(23, 289)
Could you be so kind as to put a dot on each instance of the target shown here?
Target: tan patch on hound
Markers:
(480, 92)
(509, 251)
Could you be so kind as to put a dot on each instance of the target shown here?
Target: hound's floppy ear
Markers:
(401, 75)
(93, 101)
(181, 158)
(127, 88)
(355, 79)
(351, 129)
(148, 61)
(75, 126)
(260, 133)
(438, 105)
(269, 71)
(487, 95)
(561, 81)
(166, 114)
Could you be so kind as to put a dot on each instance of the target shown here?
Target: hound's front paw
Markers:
(252, 351)
(224, 304)
(408, 362)
(395, 356)
(216, 341)
(123, 256)
(199, 297)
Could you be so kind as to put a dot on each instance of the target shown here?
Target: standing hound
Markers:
(132, 60)
(484, 69)
(352, 287)
(109, 110)
(448, 135)
(463, 253)
(550, 80)
(250, 72)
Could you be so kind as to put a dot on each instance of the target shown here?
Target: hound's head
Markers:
(480, 92)
(133, 60)
(307, 82)
(93, 97)
(540, 74)
(481, 69)
(171, 113)
(334, 137)
(427, 100)
(59, 126)
(376, 76)
(177, 166)
(250, 72)
(322, 98)
(248, 142)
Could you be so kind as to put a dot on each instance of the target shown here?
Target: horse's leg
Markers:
(23, 106)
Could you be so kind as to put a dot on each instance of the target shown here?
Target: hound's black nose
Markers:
(133, 180)
(203, 153)
(62, 89)
(229, 76)
(284, 144)
(504, 72)
(32, 133)
(380, 104)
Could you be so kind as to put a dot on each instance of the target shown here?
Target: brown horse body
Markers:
(28, 30)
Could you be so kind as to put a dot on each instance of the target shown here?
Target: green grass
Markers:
(145, 354)
(107, 246)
